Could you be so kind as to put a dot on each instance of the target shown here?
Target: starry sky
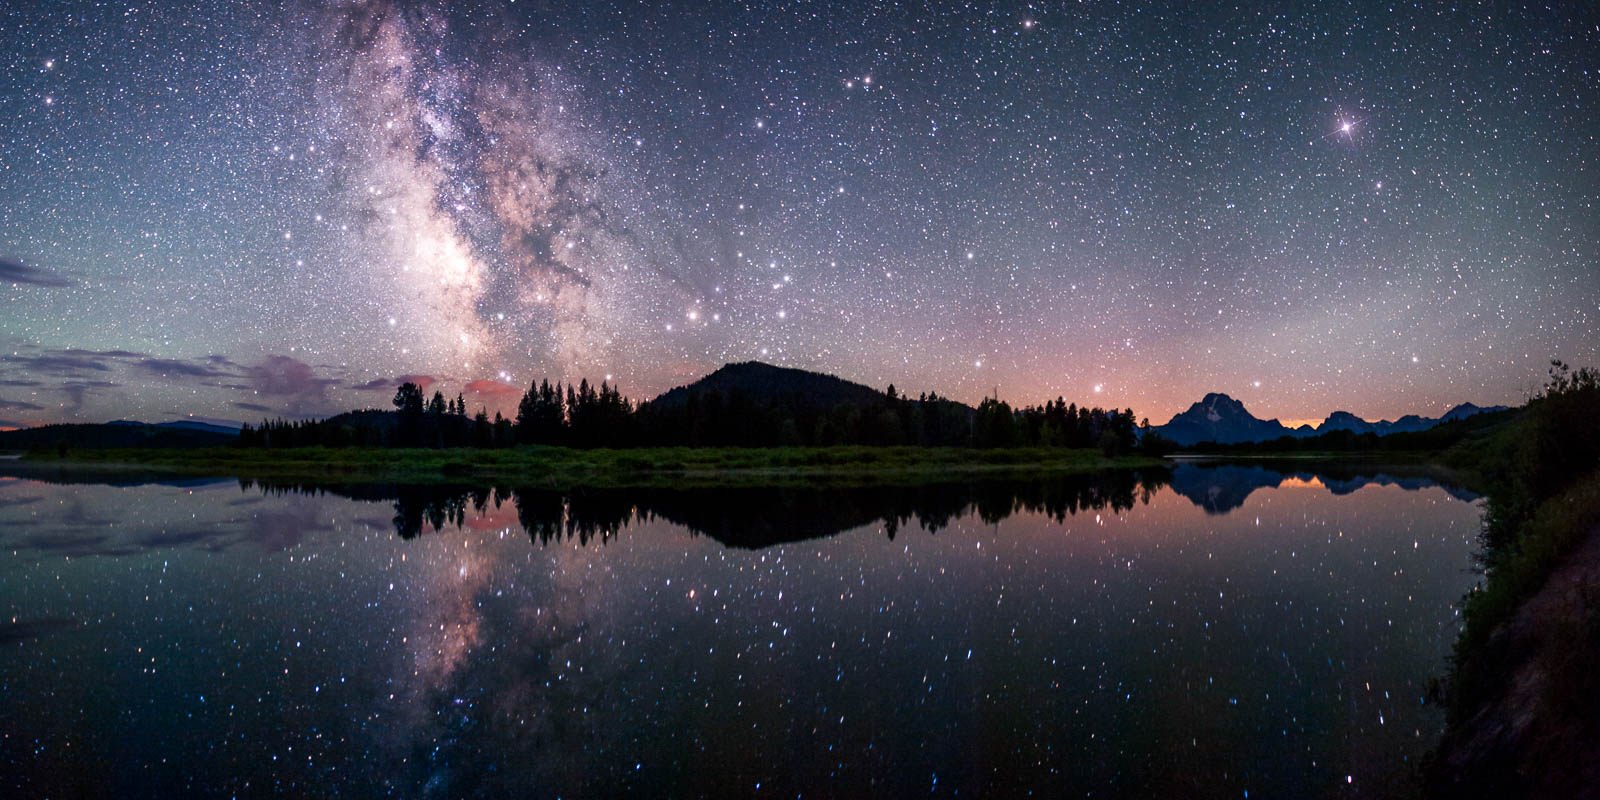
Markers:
(232, 210)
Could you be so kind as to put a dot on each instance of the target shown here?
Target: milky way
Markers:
(239, 210)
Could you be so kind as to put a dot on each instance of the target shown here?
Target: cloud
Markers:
(77, 390)
(16, 273)
(252, 407)
(67, 362)
(19, 405)
(168, 367)
(493, 389)
(58, 363)
(101, 353)
(387, 384)
(283, 376)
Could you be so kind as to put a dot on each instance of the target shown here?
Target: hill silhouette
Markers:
(119, 434)
(765, 383)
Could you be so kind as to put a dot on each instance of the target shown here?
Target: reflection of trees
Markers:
(764, 516)
(759, 516)
(437, 505)
(549, 515)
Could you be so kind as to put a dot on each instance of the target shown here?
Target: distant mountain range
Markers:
(1216, 418)
(183, 425)
(119, 434)
(1224, 420)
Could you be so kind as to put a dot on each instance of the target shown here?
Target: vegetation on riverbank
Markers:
(563, 467)
(1524, 689)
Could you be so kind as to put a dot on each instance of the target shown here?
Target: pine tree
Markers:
(408, 398)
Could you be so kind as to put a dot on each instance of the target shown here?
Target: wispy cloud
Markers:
(167, 367)
(388, 384)
(492, 389)
(57, 364)
(17, 274)
(76, 391)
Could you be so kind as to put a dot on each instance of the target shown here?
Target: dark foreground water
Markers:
(1204, 632)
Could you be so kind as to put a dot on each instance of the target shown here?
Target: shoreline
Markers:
(1524, 697)
(562, 467)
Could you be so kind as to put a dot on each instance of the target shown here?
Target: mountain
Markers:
(752, 404)
(380, 420)
(764, 384)
(120, 434)
(197, 425)
(1410, 423)
(1345, 421)
(181, 424)
(1222, 419)
(1466, 410)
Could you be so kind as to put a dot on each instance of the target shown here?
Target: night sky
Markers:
(240, 210)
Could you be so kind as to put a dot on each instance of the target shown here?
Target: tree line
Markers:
(583, 415)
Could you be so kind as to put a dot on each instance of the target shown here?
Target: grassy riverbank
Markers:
(1523, 696)
(562, 467)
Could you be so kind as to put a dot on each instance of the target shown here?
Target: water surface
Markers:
(1208, 631)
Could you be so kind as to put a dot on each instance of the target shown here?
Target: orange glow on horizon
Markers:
(1301, 483)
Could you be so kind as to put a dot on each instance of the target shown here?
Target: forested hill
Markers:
(740, 405)
(765, 383)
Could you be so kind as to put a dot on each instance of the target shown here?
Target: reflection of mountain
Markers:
(108, 475)
(750, 517)
(1223, 487)
(755, 517)
(764, 517)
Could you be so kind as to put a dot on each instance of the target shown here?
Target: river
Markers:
(1205, 631)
